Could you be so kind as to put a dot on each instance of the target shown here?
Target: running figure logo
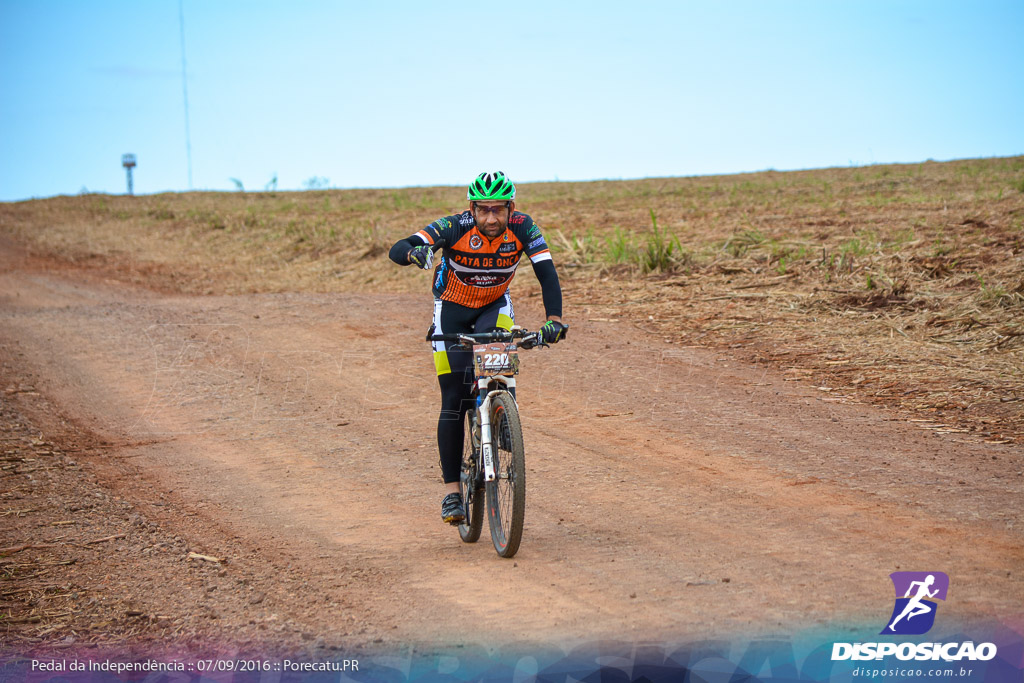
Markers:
(914, 612)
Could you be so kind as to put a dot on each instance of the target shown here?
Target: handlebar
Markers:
(527, 339)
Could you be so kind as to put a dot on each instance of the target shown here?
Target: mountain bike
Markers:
(494, 460)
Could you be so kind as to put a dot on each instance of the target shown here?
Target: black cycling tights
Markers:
(455, 401)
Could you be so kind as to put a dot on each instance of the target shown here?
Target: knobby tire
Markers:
(473, 498)
(506, 495)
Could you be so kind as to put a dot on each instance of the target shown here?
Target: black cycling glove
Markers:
(421, 256)
(553, 331)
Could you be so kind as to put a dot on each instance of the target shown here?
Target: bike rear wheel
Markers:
(506, 495)
(470, 487)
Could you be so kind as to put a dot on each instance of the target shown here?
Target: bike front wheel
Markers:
(506, 495)
(470, 480)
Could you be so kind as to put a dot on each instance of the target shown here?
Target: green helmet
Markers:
(491, 187)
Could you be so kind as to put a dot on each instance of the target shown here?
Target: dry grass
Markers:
(897, 285)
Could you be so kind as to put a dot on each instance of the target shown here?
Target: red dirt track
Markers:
(672, 492)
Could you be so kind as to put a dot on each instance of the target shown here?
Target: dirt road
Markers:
(673, 492)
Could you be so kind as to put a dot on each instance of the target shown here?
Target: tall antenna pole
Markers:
(184, 89)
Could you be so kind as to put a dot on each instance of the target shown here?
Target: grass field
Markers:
(899, 285)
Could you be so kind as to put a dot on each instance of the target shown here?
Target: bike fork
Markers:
(486, 444)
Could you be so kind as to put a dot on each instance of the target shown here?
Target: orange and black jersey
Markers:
(474, 270)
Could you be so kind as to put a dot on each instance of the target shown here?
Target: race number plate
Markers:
(495, 359)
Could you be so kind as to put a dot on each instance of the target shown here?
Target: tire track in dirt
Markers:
(717, 505)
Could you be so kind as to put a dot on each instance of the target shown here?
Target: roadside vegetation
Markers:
(899, 285)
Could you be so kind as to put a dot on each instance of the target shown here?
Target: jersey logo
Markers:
(506, 236)
(466, 219)
(506, 248)
(485, 280)
(475, 242)
(518, 220)
(536, 243)
(440, 273)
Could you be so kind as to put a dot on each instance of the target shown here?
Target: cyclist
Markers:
(480, 250)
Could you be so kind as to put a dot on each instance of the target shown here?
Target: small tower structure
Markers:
(128, 161)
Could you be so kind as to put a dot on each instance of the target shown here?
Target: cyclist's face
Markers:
(492, 217)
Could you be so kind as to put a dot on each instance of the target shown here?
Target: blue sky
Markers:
(393, 94)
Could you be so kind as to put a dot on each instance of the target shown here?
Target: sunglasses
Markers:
(493, 210)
